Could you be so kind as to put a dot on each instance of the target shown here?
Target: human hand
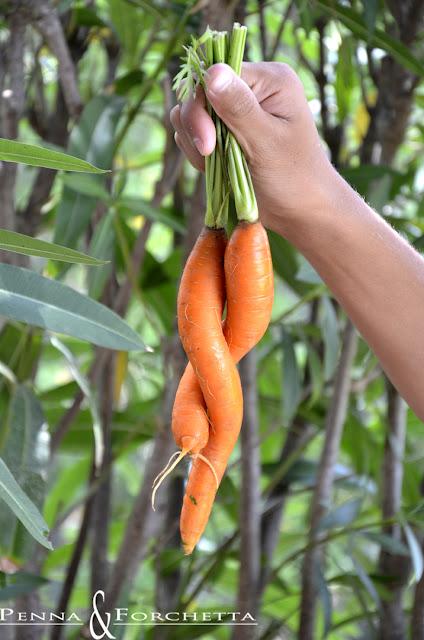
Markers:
(268, 113)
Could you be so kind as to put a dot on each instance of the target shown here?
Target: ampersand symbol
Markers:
(96, 616)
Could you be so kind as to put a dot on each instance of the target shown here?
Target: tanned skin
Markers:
(377, 277)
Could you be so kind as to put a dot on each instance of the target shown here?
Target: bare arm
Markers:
(377, 276)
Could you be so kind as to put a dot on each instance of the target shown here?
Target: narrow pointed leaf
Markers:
(92, 138)
(20, 243)
(22, 507)
(31, 298)
(415, 551)
(13, 151)
(341, 516)
(354, 21)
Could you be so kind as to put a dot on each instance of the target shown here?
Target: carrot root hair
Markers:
(160, 474)
(173, 461)
(166, 471)
(210, 465)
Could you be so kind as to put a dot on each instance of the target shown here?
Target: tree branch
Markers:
(298, 435)
(46, 21)
(141, 520)
(325, 478)
(263, 36)
(73, 567)
(172, 159)
(250, 506)
(394, 567)
(101, 499)
(11, 107)
(286, 15)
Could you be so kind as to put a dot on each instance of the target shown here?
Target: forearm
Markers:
(377, 278)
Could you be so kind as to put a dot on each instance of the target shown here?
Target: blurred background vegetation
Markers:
(318, 527)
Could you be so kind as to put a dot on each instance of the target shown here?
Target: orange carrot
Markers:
(200, 327)
(249, 282)
(250, 293)
(248, 313)
(190, 422)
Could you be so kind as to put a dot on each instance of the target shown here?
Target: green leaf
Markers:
(127, 21)
(292, 385)
(136, 206)
(102, 246)
(345, 77)
(20, 243)
(87, 17)
(330, 334)
(307, 273)
(341, 516)
(65, 486)
(25, 451)
(370, 13)
(33, 299)
(364, 578)
(325, 597)
(22, 507)
(85, 387)
(415, 551)
(92, 138)
(13, 151)
(86, 185)
(361, 178)
(315, 371)
(354, 21)
(128, 81)
(387, 542)
(285, 261)
(19, 584)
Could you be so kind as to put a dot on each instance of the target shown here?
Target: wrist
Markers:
(322, 209)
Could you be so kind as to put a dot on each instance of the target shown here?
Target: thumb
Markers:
(234, 102)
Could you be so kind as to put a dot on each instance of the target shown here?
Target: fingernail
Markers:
(219, 80)
(199, 145)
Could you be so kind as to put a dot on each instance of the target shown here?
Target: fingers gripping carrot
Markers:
(249, 284)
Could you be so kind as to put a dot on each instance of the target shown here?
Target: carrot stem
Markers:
(226, 168)
(238, 171)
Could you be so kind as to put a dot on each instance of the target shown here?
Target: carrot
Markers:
(248, 313)
(250, 293)
(190, 422)
(249, 284)
(200, 329)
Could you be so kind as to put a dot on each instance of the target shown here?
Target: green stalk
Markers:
(238, 171)
(216, 180)
(226, 168)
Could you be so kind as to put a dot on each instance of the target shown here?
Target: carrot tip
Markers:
(188, 548)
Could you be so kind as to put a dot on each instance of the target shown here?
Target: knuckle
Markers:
(242, 106)
(286, 74)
